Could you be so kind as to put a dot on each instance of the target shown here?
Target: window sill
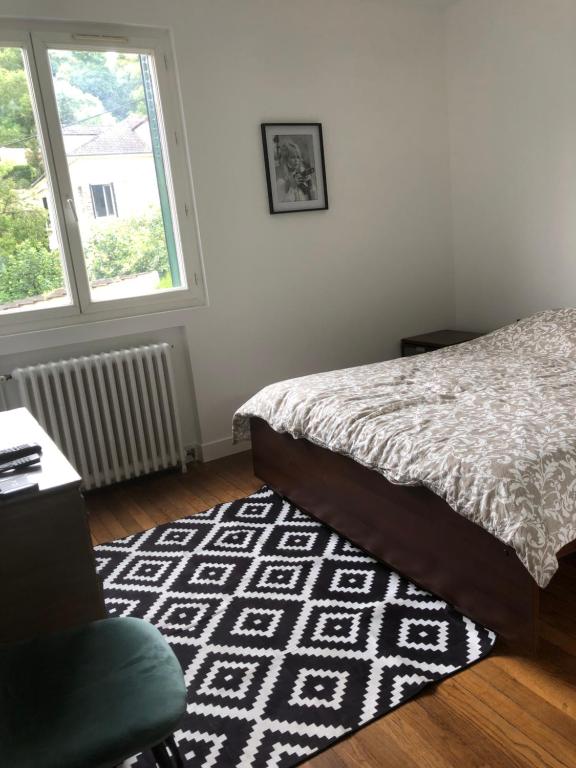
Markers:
(69, 318)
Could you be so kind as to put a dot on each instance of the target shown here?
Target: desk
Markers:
(48, 577)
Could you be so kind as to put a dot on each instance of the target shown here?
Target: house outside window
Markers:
(99, 215)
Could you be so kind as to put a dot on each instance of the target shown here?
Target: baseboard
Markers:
(217, 449)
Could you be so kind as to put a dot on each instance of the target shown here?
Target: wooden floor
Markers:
(508, 710)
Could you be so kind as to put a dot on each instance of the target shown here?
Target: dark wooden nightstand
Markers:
(428, 342)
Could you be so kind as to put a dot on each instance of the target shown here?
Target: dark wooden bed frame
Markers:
(409, 528)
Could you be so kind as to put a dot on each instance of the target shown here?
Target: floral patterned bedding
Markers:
(490, 426)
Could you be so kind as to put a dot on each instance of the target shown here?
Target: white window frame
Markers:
(36, 38)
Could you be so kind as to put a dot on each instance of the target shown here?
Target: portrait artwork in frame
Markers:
(295, 170)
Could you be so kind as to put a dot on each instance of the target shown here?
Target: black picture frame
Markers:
(295, 167)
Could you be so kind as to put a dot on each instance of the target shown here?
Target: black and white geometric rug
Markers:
(290, 637)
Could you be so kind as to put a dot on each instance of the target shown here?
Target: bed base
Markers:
(409, 528)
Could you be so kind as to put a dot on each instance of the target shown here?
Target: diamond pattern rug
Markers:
(289, 636)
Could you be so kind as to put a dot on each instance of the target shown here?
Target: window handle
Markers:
(72, 206)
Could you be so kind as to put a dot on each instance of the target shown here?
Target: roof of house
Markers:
(119, 139)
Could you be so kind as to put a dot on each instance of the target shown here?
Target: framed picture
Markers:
(295, 172)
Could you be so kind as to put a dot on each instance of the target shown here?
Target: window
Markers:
(103, 200)
(96, 213)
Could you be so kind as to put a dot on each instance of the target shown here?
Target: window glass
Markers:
(32, 272)
(116, 153)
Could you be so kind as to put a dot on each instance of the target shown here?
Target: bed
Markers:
(457, 468)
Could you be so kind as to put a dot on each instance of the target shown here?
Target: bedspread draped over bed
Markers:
(490, 426)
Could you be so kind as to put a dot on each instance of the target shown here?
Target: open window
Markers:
(96, 213)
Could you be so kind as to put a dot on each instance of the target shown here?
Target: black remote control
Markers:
(18, 451)
(19, 457)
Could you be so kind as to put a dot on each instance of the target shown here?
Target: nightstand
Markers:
(428, 342)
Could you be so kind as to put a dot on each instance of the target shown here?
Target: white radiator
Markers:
(114, 415)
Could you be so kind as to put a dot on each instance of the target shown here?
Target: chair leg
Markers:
(167, 755)
(161, 756)
(174, 751)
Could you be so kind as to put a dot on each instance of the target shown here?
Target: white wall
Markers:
(302, 292)
(512, 72)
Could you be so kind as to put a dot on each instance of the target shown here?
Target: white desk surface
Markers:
(18, 426)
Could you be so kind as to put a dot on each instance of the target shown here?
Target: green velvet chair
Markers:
(90, 697)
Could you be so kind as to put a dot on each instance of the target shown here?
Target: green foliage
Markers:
(165, 282)
(114, 79)
(17, 124)
(27, 268)
(16, 117)
(15, 216)
(22, 175)
(75, 106)
(128, 247)
(27, 265)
